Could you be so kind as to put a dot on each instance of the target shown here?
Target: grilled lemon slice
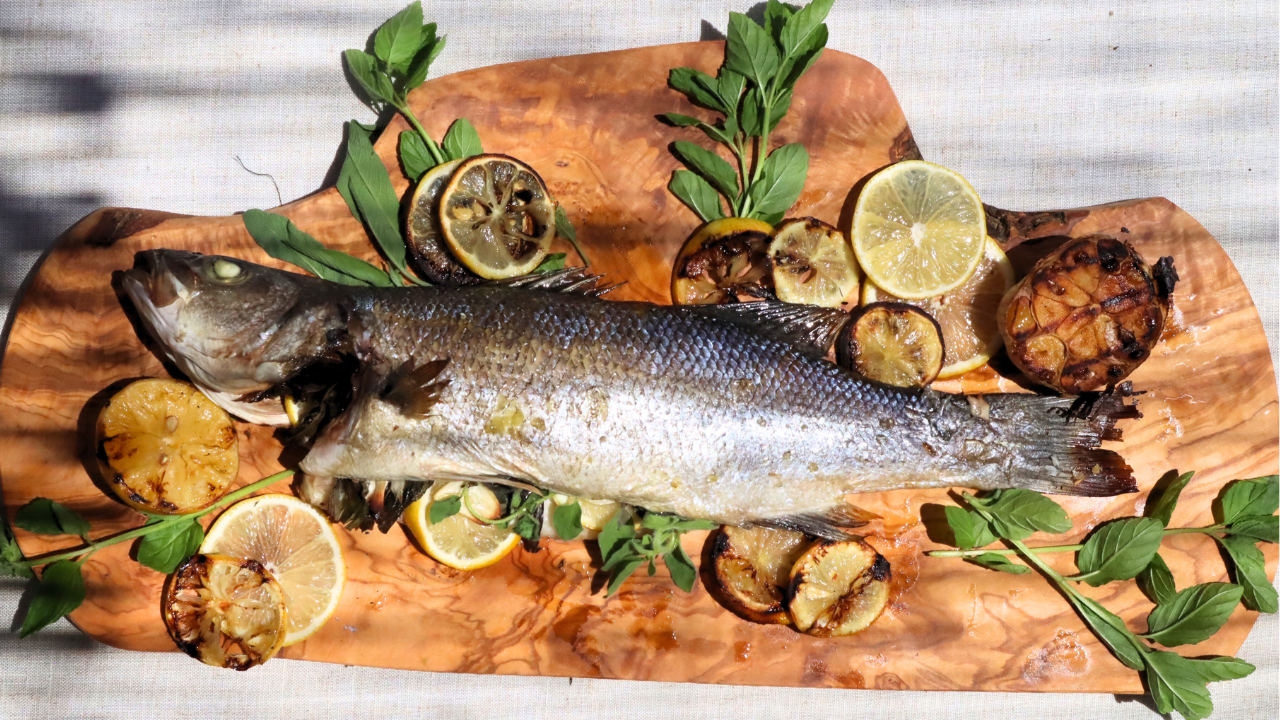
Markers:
(225, 611)
(967, 315)
(497, 216)
(812, 263)
(460, 541)
(720, 259)
(422, 230)
(167, 448)
(918, 229)
(299, 548)
(751, 570)
(893, 343)
(838, 588)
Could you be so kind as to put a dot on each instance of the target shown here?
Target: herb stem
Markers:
(434, 149)
(1208, 530)
(146, 529)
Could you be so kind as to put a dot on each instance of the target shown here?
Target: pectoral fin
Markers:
(416, 389)
(832, 523)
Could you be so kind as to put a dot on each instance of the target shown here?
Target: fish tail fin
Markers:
(1056, 442)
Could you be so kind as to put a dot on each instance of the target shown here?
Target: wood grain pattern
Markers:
(586, 123)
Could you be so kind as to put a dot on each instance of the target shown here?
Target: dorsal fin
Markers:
(567, 280)
(810, 328)
(416, 389)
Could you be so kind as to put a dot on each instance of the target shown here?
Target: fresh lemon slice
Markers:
(497, 216)
(168, 449)
(225, 611)
(967, 315)
(812, 263)
(296, 544)
(460, 541)
(918, 229)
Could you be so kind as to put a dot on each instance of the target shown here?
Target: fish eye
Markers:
(225, 271)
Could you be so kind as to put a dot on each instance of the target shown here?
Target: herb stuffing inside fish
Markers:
(724, 413)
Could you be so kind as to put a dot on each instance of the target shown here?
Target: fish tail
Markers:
(1055, 443)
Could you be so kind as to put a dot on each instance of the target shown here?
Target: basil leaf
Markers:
(801, 27)
(1259, 496)
(1218, 669)
(697, 194)
(61, 590)
(710, 166)
(686, 525)
(281, 239)
(992, 561)
(796, 64)
(1111, 630)
(1250, 573)
(554, 261)
(750, 51)
(683, 573)
(681, 120)
(781, 180)
(1258, 527)
(399, 37)
(46, 517)
(564, 228)
(444, 508)
(428, 52)
(567, 520)
(752, 112)
(779, 108)
(970, 529)
(1193, 615)
(11, 555)
(364, 68)
(1178, 683)
(776, 15)
(461, 141)
(623, 572)
(415, 159)
(1156, 581)
(1119, 550)
(686, 80)
(1168, 489)
(166, 547)
(729, 86)
(1017, 513)
(369, 187)
(614, 534)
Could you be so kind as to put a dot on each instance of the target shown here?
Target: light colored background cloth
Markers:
(1040, 104)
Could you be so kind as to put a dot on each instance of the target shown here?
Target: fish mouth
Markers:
(160, 278)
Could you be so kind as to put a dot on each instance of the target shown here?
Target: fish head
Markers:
(234, 328)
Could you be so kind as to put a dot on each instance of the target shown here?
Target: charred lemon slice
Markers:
(422, 230)
(166, 448)
(461, 541)
(224, 611)
(838, 588)
(812, 263)
(296, 544)
(918, 229)
(1087, 315)
(893, 343)
(752, 566)
(967, 315)
(721, 259)
(497, 216)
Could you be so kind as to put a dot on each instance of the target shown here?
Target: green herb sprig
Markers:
(753, 92)
(167, 541)
(626, 546)
(1129, 549)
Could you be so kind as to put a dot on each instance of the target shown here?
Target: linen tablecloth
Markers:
(1040, 104)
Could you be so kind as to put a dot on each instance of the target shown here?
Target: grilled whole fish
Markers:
(726, 413)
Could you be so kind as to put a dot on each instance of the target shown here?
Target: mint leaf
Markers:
(1259, 496)
(415, 159)
(683, 573)
(553, 261)
(781, 181)
(798, 63)
(615, 533)
(444, 508)
(776, 15)
(729, 86)
(46, 517)
(1178, 683)
(622, 572)
(1193, 615)
(364, 68)
(567, 520)
(697, 194)
(804, 25)
(1258, 527)
(281, 239)
(1169, 488)
(1017, 513)
(11, 555)
(1119, 550)
(1250, 571)
(369, 188)
(681, 120)
(169, 545)
(461, 141)
(399, 37)
(710, 166)
(992, 561)
(61, 590)
(1156, 581)
(686, 80)
(428, 52)
(686, 525)
(1110, 629)
(750, 51)
(970, 528)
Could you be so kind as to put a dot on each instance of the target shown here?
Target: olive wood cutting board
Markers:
(586, 123)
